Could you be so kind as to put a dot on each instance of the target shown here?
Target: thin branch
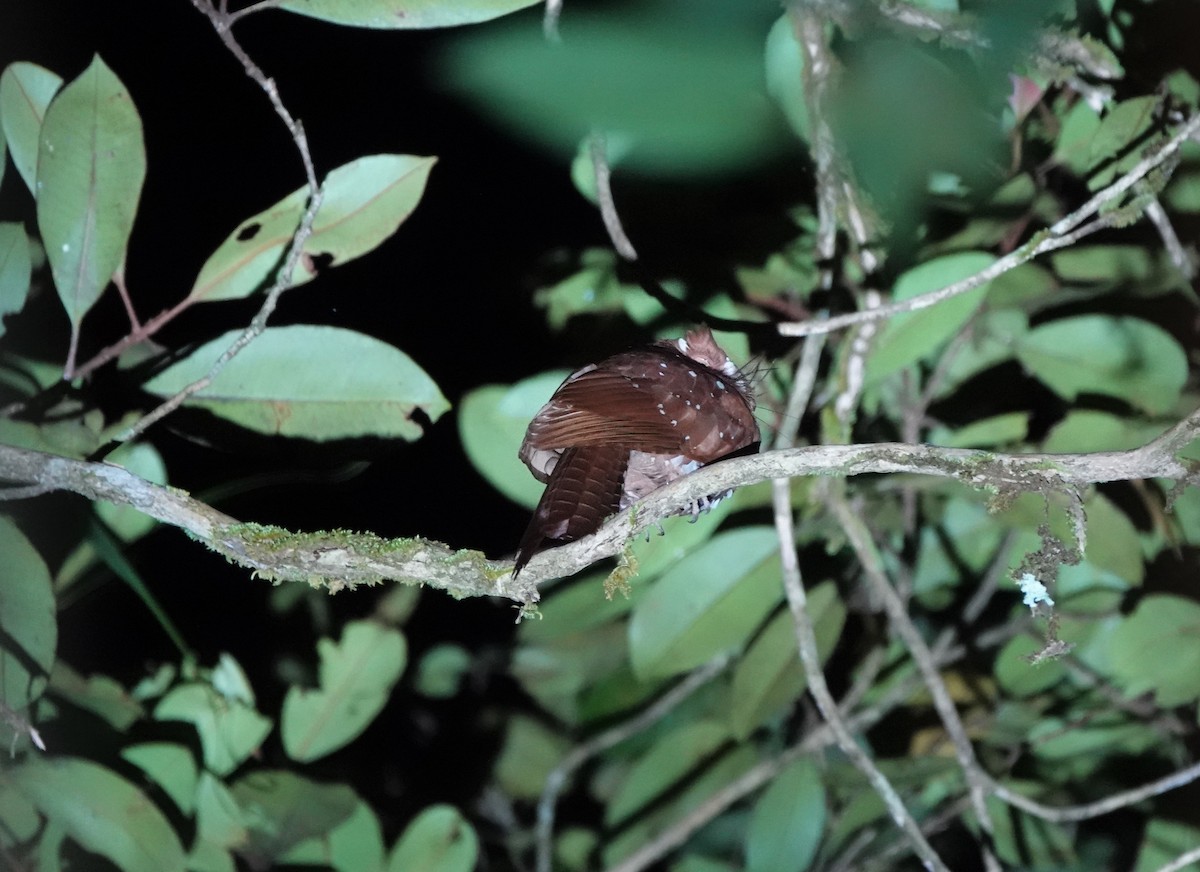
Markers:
(1074, 813)
(806, 640)
(1062, 233)
(550, 21)
(868, 558)
(598, 146)
(1182, 861)
(597, 745)
(222, 22)
(1166, 231)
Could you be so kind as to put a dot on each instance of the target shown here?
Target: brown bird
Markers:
(616, 430)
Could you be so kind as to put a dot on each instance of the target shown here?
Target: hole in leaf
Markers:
(249, 232)
(321, 261)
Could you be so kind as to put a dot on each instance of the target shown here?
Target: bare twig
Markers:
(1062, 233)
(597, 745)
(1166, 231)
(550, 20)
(868, 558)
(806, 640)
(1182, 861)
(222, 22)
(598, 146)
(1072, 813)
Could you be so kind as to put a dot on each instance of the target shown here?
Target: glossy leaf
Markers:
(769, 676)
(357, 675)
(785, 75)
(98, 694)
(1087, 430)
(221, 825)
(671, 758)
(704, 113)
(25, 93)
(15, 268)
(785, 829)
(491, 424)
(91, 166)
(439, 839)
(282, 809)
(991, 432)
(1121, 357)
(365, 201)
(1157, 648)
(404, 14)
(713, 778)
(1018, 676)
(529, 753)
(913, 336)
(310, 382)
(170, 766)
(709, 602)
(989, 344)
(441, 670)
(1163, 841)
(101, 811)
(229, 731)
(28, 620)
(354, 845)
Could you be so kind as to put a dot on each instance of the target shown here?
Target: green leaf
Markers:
(1121, 357)
(715, 777)
(1085, 430)
(769, 677)
(709, 602)
(1112, 540)
(404, 14)
(356, 678)
(91, 165)
(1157, 648)
(310, 382)
(441, 670)
(355, 845)
(28, 619)
(785, 75)
(556, 673)
(101, 811)
(1122, 126)
(1163, 841)
(990, 343)
(229, 731)
(1027, 842)
(1021, 678)
(25, 92)
(220, 826)
(704, 113)
(529, 754)
(15, 268)
(439, 839)
(491, 423)
(171, 767)
(365, 201)
(98, 694)
(988, 433)
(283, 809)
(785, 830)
(671, 758)
(913, 336)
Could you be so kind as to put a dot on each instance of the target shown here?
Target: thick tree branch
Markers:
(340, 559)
